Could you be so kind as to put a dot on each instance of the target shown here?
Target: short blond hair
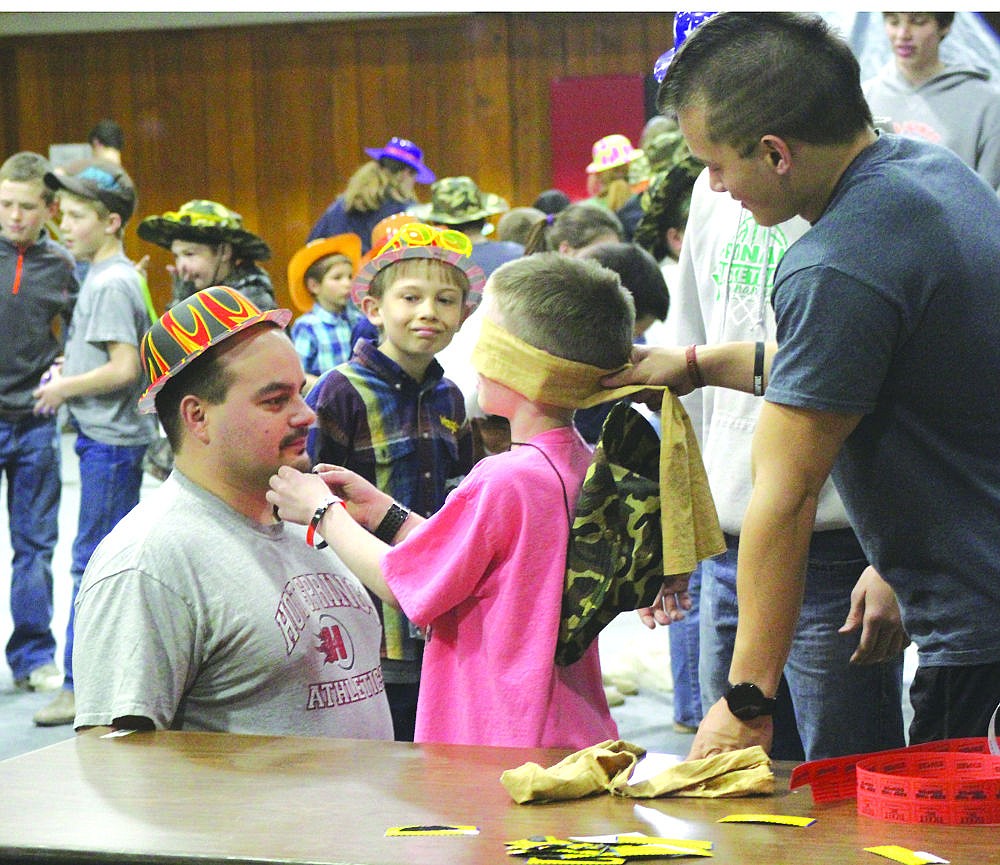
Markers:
(26, 166)
(573, 308)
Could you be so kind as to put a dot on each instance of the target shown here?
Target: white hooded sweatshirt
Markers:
(722, 293)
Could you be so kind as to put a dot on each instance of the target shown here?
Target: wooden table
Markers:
(216, 798)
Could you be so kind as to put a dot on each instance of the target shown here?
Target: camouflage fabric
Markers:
(615, 558)
(662, 153)
(456, 201)
(666, 150)
(665, 204)
(203, 221)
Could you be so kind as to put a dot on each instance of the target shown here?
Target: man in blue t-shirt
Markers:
(886, 375)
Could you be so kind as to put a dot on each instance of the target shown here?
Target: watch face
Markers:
(746, 701)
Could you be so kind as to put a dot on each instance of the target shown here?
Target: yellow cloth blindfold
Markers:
(690, 524)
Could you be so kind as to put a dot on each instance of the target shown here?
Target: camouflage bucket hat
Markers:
(203, 221)
(615, 558)
(456, 200)
(666, 150)
(188, 329)
(662, 202)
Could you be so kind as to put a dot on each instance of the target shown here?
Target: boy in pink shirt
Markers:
(485, 573)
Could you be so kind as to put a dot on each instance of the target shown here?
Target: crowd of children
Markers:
(427, 346)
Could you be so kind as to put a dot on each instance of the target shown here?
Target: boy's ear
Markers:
(312, 285)
(113, 224)
(372, 309)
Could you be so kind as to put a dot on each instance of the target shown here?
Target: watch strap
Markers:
(391, 523)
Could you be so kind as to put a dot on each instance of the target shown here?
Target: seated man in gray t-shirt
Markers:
(201, 610)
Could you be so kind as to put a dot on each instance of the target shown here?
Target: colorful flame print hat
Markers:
(195, 324)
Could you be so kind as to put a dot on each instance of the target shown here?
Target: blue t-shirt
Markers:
(887, 307)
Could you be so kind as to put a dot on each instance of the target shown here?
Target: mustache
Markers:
(293, 439)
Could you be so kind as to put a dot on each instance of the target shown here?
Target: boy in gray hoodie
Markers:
(922, 97)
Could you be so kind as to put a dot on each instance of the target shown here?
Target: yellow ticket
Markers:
(779, 819)
(402, 831)
(907, 857)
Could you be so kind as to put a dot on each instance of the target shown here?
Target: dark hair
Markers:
(578, 226)
(551, 201)
(768, 73)
(640, 275)
(944, 19)
(206, 377)
(317, 270)
(108, 133)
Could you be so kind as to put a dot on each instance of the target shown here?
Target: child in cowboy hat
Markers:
(211, 247)
(458, 203)
(379, 188)
(320, 275)
(390, 415)
(382, 233)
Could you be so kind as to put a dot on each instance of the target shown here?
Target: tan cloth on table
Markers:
(608, 765)
(733, 773)
(690, 524)
(584, 772)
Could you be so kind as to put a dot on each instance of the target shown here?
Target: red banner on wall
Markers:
(582, 110)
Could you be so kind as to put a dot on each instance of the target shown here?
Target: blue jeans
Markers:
(110, 480)
(30, 456)
(840, 708)
(684, 659)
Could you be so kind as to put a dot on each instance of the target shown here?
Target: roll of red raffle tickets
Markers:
(955, 782)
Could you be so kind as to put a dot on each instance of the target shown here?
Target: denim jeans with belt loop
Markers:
(841, 708)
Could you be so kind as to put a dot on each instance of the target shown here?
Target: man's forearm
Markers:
(733, 365)
(769, 584)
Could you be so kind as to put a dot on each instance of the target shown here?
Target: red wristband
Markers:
(317, 517)
(692, 364)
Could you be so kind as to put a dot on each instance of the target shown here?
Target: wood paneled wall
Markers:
(273, 120)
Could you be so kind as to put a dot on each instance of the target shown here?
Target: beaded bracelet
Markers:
(317, 517)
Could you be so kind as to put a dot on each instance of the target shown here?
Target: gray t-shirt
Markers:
(110, 309)
(886, 308)
(201, 619)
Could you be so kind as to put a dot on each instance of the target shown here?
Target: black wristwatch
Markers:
(391, 523)
(746, 701)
